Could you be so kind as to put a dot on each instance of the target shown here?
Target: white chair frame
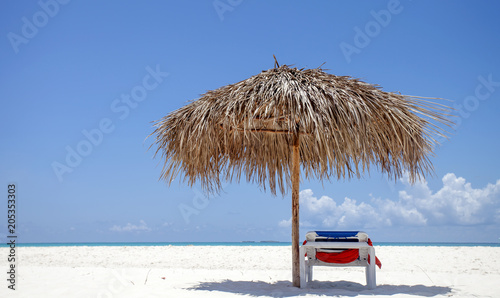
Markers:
(306, 265)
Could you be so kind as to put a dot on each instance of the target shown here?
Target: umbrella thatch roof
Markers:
(345, 126)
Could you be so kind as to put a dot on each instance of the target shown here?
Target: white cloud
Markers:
(288, 223)
(456, 203)
(325, 211)
(142, 227)
(285, 223)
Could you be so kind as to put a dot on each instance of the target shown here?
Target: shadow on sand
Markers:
(337, 288)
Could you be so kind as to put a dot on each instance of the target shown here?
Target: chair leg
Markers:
(303, 268)
(371, 280)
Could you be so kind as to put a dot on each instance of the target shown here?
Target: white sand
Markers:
(232, 271)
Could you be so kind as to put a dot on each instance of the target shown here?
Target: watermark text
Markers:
(11, 235)
(31, 26)
(92, 138)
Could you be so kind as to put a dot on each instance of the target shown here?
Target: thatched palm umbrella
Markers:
(269, 126)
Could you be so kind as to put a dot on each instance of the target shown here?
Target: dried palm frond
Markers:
(344, 125)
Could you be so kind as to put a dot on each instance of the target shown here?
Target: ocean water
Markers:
(237, 244)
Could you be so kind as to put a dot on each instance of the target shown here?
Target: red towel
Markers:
(343, 257)
(377, 261)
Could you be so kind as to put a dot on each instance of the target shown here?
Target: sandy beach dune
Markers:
(246, 271)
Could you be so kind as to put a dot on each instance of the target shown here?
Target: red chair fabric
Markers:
(344, 257)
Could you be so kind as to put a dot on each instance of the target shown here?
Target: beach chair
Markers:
(337, 249)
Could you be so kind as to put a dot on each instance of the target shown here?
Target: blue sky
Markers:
(82, 81)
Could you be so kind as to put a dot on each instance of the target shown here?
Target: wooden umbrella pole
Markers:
(295, 211)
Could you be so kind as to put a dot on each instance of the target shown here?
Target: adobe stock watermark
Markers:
(121, 107)
(116, 284)
(223, 6)
(30, 26)
(198, 203)
(363, 36)
(485, 87)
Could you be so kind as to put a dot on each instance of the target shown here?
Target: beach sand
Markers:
(245, 271)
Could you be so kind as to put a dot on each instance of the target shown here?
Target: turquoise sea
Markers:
(237, 244)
